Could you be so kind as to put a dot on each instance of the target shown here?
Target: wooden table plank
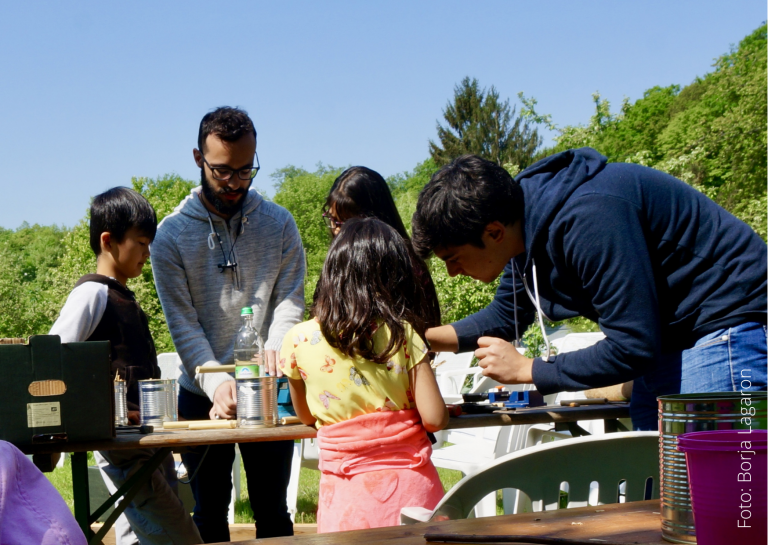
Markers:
(189, 438)
(636, 523)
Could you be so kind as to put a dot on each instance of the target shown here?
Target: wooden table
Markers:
(627, 523)
(168, 440)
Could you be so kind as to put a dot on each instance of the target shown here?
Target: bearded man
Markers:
(224, 248)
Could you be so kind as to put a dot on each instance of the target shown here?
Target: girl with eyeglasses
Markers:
(362, 192)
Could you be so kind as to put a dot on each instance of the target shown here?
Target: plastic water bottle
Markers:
(249, 350)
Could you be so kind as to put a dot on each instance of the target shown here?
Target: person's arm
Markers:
(443, 339)
(498, 318)
(299, 400)
(429, 402)
(188, 335)
(611, 260)
(81, 313)
(287, 294)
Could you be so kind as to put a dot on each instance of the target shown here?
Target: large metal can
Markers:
(257, 402)
(683, 413)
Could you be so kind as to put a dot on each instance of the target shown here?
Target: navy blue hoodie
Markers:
(656, 263)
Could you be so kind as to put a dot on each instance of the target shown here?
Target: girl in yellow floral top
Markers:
(359, 371)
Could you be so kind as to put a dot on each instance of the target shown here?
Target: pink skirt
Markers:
(372, 466)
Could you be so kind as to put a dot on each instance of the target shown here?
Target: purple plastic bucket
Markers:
(727, 475)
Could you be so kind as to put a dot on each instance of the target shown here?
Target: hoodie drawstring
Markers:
(536, 303)
(211, 235)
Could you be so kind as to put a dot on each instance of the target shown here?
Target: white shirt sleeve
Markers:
(82, 312)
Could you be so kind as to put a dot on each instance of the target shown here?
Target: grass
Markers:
(306, 504)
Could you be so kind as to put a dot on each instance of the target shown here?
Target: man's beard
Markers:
(212, 196)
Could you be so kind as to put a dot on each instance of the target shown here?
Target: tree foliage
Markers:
(478, 122)
(303, 194)
(711, 134)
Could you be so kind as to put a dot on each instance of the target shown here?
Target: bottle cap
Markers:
(246, 310)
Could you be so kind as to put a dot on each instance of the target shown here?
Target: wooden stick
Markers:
(201, 425)
(289, 420)
(215, 369)
(182, 425)
(474, 538)
(578, 402)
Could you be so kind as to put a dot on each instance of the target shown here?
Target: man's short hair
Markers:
(460, 200)
(229, 124)
(118, 210)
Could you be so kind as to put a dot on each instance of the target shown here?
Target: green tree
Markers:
(29, 255)
(164, 194)
(303, 194)
(478, 122)
(712, 134)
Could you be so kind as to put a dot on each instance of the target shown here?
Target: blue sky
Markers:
(94, 93)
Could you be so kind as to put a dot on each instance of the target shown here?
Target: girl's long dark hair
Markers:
(368, 281)
(362, 192)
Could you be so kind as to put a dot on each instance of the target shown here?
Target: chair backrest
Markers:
(577, 341)
(539, 471)
(170, 365)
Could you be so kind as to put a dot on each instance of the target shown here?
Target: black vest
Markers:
(126, 328)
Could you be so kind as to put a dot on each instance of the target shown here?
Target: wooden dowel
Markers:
(474, 538)
(578, 402)
(212, 424)
(201, 425)
(215, 369)
(290, 420)
(176, 425)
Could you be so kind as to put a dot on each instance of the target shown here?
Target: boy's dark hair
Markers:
(360, 191)
(367, 282)
(460, 200)
(118, 210)
(229, 124)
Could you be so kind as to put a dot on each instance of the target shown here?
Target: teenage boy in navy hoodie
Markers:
(102, 308)
(676, 283)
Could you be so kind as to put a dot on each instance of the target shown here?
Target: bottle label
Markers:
(247, 371)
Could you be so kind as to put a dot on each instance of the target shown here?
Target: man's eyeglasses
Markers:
(223, 174)
(331, 222)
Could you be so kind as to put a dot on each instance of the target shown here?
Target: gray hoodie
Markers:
(202, 305)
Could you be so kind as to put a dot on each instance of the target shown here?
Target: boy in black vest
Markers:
(102, 308)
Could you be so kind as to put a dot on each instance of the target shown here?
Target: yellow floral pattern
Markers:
(339, 387)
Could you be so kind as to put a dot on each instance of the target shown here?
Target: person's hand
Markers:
(502, 362)
(271, 361)
(134, 417)
(224, 401)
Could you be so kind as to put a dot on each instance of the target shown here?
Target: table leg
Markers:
(613, 425)
(80, 492)
(128, 491)
(572, 427)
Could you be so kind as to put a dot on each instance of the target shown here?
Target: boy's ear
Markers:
(197, 154)
(495, 230)
(106, 241)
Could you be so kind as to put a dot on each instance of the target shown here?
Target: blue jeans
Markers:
(728, 360)
(267, 469)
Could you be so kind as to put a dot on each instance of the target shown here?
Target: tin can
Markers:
(121, 405)
(157, 401)
(683, 413)
(257, 402)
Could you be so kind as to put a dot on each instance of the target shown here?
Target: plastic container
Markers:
(284, 403)
(248, 350)
(727, 476)
(684, 413)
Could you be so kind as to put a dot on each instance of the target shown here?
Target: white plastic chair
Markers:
(170, 367)
(474, 448)
(608, 460)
